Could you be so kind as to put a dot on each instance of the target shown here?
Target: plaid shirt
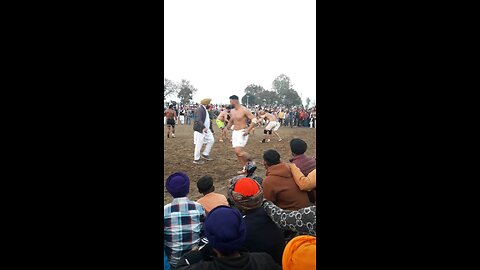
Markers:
(183, 221)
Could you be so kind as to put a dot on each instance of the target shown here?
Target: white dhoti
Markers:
(238, 140)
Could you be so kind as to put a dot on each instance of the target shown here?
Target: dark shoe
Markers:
(199, 162)
(207, 158)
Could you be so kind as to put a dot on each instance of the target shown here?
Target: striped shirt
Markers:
(183, 221)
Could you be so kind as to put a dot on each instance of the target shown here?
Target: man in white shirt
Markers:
(203, 132)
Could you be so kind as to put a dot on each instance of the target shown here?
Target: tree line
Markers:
(282, 92)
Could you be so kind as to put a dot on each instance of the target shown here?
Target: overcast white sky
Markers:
(221, 46)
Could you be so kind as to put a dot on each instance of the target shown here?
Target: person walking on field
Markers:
(171, 116)
(203, 132)
(222, 121)
(238, 116)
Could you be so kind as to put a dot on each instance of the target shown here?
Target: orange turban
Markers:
(300, 253)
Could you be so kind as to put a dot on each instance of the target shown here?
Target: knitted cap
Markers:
(225, 229)
(178, 185)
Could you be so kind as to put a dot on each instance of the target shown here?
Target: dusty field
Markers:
(178, 154)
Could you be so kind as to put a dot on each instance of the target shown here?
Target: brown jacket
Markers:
(280, 188)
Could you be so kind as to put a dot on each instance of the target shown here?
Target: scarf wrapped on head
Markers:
(245, 193)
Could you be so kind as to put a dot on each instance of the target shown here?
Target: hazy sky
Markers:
(221, 46)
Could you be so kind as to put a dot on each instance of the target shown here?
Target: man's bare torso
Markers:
(170, 114)
(239, 117)
(223, 116)
(269, 117)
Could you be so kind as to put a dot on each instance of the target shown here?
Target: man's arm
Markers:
(268, 192)
(306, 215)
(305, 183)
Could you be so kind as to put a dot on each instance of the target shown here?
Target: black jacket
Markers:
(200, 115)
(247, 261)
(263, 235)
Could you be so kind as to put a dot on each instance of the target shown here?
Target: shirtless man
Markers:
(222, 120)
(171, 116)
(239, 114)
(271, 126)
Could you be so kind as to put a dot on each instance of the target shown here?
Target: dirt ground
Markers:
(178, 154)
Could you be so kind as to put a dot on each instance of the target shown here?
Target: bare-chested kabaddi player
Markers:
(222, 120)
(171, 118)
(272, 125)
(238, 116)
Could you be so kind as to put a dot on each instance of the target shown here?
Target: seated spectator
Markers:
(303, 221)
(182, 218)
(304, 163)
(279, 186)
(226, 232)
(166, 264)
(262, 233)
(305, 183)
(210, 199)
(300, 253)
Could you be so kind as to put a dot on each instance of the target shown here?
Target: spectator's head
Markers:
(205, 185)
(245, 193)
(300, 253)
(234, 100)
(178, 185)
(298, 147)
(225, 230)
(270, 158)
(205, 101)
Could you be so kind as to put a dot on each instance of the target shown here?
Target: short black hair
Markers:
(205, 183)
(298, 146)
(272, 157)
(170, 106)
(234, 97)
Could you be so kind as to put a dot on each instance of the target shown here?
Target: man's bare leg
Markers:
(168, 131)
(242, 156)
(173, 132)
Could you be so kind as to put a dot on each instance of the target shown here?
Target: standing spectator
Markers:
(290, 118)
(279, 186)
(281, 116)
(298, 147)
(189, 116)
(210, 199)
(301, 118)
(297, 117)
(182, 218)
(226, 232)
(262, 233)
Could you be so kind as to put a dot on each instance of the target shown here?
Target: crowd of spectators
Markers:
(296, 116)
(261, 223)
